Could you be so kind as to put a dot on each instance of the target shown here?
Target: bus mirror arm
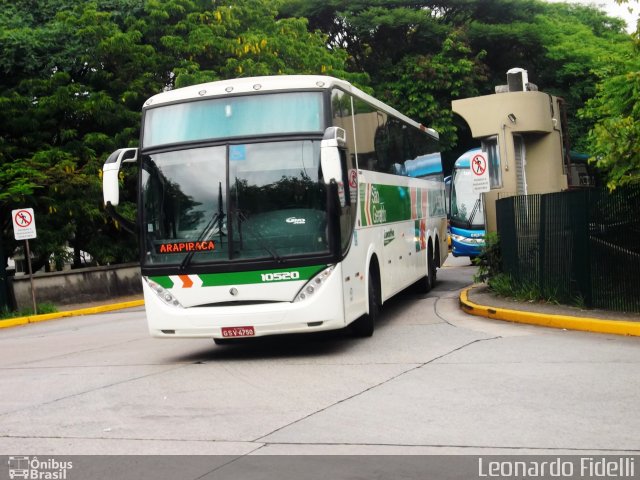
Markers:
(333, 214)
(125, 223)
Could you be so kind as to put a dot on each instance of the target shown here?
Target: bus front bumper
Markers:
(323, 311)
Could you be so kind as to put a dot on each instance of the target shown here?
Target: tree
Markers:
(615, 111)
(615, 114)
(418, 61)
(62, 112)
(422, 86)
(246, 39)
(422, 55)
(75, 75)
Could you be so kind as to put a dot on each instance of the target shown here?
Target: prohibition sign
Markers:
(24, 228)
(479, 165)
(353, 178)
(23, 218)
(24, 223)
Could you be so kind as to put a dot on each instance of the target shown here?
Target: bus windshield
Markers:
(466, 207)
(272, 205)
(230, 117)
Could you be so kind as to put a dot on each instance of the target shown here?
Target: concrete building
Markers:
(521, 131)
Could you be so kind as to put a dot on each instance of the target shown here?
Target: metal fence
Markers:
(577, 246)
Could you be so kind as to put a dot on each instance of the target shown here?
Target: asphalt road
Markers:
(432, 380)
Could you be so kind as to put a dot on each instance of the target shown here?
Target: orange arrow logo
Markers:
(186, 281)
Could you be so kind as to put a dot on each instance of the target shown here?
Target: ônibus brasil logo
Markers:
(38, 469)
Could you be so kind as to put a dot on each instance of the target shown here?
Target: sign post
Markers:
(4, 302)
(480, 169)
(24, 228)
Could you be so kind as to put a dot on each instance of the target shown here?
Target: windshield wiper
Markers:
(257, 235)
(203, 235)
(472, 215)
(216, 219)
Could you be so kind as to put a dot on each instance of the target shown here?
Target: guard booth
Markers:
(521, 132)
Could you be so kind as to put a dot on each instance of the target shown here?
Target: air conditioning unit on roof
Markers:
(517, 79)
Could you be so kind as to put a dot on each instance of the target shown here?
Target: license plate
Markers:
(228, 332)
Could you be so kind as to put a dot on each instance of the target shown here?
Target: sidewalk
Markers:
(74, 310)
(475, 300)
(114, 301)
(479, 300)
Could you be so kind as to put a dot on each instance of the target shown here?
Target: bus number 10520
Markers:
(280, 276)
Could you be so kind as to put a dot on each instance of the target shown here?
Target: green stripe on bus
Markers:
(251, 277)
(244, 278)
(163, 281)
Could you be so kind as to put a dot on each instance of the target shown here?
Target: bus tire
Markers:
(365, 325)
(423, 285)
(433, 266)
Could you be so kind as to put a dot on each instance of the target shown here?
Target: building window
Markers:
(490, 148)
(521, 162)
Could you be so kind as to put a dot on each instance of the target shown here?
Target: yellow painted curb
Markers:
(14, 322)
(616, 327)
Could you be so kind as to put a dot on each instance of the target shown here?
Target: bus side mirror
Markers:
(334, 139)
(110, 170)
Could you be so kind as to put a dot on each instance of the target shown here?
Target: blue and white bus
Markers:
(466, 210)
(281, 204)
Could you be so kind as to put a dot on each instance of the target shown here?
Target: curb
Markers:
(14, 322)
(585, 324)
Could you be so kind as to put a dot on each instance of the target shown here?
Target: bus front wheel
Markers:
(365, 325)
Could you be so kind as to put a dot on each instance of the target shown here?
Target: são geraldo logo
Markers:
(38, 469)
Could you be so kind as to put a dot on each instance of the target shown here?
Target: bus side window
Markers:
(343, 117)
(345, 177)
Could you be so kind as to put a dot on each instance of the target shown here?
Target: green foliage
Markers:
(422, 86)
(505, 286)
(615, 111)
(490, 271)
(573, 51)
(43, 308)
(73, 77)
(420, 56)
(489, 261)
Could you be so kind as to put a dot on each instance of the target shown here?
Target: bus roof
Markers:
(430, 164)
(464, 160)
(273, 83)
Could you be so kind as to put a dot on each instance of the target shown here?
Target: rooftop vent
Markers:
(517, 81)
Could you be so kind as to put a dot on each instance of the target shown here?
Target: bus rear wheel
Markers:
(425, 283)
(434, 262)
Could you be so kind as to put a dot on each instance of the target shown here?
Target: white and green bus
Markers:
(281, 204)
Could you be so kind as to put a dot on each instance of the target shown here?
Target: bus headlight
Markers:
(314, 284)
(467, 240)
(163, 294)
